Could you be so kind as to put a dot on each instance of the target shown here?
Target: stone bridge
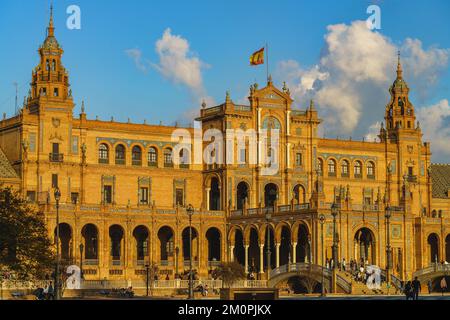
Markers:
(434, 273)
(312, 275)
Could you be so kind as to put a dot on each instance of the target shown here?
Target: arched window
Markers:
(320, 167)
(120, 154)
(184, 159)
(331, 168)
(103, 154)
(345, 169)
(357, 169)
(370, 170)
(136, 156)
(152, 157)
(168, 161)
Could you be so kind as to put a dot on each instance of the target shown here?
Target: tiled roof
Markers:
(6, 170)
(440, 177)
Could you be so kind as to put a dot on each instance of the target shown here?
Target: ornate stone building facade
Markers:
(124, 198)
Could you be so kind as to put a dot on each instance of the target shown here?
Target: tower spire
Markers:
(51, 28)
(399, 67)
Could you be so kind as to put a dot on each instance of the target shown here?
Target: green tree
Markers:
(25, 248)
(229, 273)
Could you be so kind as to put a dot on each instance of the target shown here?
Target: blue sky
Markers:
(221, 34)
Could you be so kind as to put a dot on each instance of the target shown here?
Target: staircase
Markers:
(359, 288)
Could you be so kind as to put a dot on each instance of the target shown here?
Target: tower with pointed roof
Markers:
(50, 80)
(399, 115)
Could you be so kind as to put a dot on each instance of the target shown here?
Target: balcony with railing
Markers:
(187, 263)
(120, 161)
(90, 262)
(56, 157)
(153, 164)
(136, 163)
(103, 160)
(411, 179)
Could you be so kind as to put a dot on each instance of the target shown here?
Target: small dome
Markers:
(50, 43)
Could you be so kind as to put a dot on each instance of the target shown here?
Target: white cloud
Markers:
(136, 56)
(435, 124)
(373, 132)
(424, 66)
(351, 80)
(179, 64)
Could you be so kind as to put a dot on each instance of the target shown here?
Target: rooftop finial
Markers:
(311, 105)
(399, 66)
(82, 106)
(51, 28)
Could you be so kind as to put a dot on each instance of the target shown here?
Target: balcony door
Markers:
(55, 148)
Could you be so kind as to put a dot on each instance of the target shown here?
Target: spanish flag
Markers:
(257, 58)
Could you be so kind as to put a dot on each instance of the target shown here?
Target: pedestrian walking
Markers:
(408, 290)
(443, 285)
(430, 286)
(416, 288)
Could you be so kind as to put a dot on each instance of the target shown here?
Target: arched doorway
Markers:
(433, 247)
(365, 246)
(239, 250)
(65, 242)
(302, 253)
(90, 237)
(299, 194)
(187, 245)
(166, 243)
(141, 236)
(303, 285)
(214, 195)
(285, 246)
(214, 245)
(270, 194)
(117, 240)
(241, 195)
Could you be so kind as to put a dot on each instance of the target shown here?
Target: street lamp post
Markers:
(334, 213)
(57, 195)
(177, 252)
(147, 277)
(387, 215)
(322, 221)
(190, 212)
(309, 250)
(268, 217)
(81, 260)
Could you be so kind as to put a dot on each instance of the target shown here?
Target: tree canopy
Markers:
(25, 248)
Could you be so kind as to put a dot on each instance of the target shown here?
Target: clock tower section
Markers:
(50, 88)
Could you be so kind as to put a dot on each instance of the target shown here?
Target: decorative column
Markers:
(261, 258)
(208, 194)
(277, 250)
(294, 252)
(246, 258)
(231, 253)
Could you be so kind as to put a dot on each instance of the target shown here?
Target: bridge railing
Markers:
(435, 267)
(297, 267)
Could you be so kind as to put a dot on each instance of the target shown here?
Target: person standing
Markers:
(430, 286)
(344, 265)
(416, 288)
(443, 285)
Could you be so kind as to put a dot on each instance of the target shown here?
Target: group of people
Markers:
(46, 293)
